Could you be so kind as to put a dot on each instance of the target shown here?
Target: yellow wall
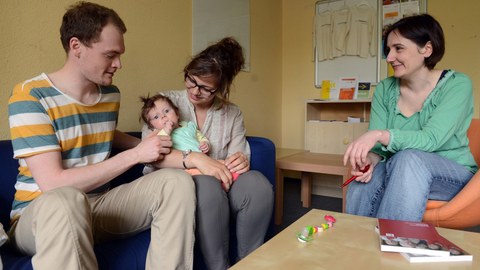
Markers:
(297, 69)
(259, 92)
(458, 19)
(158, 41)
(460, 25)
(158, 45)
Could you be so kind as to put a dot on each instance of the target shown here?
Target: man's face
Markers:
(100, 61)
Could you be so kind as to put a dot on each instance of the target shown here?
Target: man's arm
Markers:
(48, 171)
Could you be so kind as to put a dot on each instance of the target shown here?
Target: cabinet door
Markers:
(331, 137)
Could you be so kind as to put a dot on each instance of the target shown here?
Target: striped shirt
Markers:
(44, 119)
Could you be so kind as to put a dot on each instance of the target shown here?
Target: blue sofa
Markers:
(120, 254)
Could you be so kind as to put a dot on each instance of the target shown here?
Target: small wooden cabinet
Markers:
(327, 129)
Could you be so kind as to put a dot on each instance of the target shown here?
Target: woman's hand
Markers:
(237, 163)
(358, 150)
(212, 167)
(363, 175)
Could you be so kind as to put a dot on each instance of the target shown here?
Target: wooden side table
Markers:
(307, 163)
(285, 152)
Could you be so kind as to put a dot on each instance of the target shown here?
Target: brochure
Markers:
(347, 88)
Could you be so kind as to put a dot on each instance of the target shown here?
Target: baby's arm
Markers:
(204, 142)
(205, 146)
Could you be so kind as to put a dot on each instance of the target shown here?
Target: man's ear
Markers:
(75, 46)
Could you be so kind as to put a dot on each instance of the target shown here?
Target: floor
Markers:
(293, 208)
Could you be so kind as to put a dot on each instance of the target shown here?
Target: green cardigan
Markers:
(439, 127)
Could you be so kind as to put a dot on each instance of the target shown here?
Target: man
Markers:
(63, 126)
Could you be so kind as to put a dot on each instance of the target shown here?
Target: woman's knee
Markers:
(210, 193)
(255, 178)
(405, 157)
(253, 181)
(252, 186)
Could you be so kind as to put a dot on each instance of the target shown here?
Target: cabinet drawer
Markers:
(331, 137)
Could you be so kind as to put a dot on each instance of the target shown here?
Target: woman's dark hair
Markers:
(149, 103)
(85, 21)
(219, 62)
(420, 29)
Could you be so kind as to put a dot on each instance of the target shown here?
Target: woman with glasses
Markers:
(248, 200)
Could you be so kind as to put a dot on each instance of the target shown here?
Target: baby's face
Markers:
(162, 115)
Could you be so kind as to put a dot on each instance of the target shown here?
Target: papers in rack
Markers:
(347, 88)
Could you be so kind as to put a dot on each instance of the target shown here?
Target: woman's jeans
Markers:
(400, 187)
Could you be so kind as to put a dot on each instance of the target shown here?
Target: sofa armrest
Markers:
(262, 157)
(8, 177)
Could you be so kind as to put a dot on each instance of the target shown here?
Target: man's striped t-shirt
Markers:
(44, 119)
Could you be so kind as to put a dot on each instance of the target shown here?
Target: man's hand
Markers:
(153, 148)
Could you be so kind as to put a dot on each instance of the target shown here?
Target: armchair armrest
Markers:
(262, 157)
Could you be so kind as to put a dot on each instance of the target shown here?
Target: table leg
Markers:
(279, 196)
(306, 190)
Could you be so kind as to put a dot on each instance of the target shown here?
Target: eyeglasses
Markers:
(204, 90)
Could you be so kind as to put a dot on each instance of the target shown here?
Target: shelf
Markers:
(327, 129)
(338, 110)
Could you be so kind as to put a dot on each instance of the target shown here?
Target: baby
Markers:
(159, 113)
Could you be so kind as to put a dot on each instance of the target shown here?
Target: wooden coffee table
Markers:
(307, 163)
(351, 244)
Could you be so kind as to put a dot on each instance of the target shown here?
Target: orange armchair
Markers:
(463, 210)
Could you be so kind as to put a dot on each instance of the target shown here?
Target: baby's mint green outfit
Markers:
(187, 137)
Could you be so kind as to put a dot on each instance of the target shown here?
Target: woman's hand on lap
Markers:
(212, 167)
(358, 150)
(238, 163)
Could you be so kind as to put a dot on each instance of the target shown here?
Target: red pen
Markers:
(354, 177)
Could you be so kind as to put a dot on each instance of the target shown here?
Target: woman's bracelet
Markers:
(185, 155)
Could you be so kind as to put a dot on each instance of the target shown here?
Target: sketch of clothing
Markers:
(340, 29)
(361, 39)
(323, 35)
